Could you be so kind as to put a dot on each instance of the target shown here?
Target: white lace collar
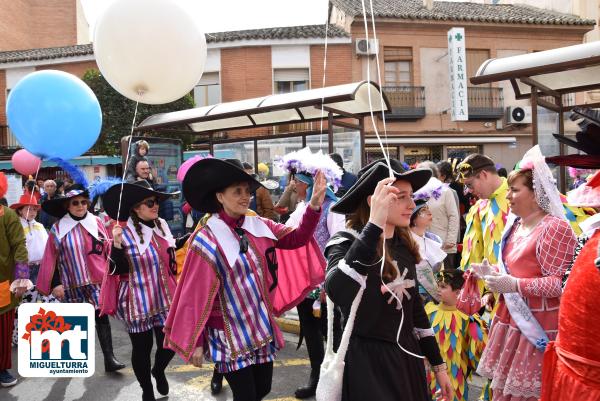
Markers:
(67, 223)
(147, 233)
(228, 241)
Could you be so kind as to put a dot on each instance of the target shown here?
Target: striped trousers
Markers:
(7, 322)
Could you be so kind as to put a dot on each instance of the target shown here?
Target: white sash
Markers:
(515, 303)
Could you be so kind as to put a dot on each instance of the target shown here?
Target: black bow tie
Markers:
(243, 239)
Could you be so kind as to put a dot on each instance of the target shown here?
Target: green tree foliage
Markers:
(117, 114)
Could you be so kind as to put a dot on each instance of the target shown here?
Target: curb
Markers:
(288, 325)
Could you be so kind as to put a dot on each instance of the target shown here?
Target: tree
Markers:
(118, 111)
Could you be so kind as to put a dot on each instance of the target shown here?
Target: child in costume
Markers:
(461, 338)
(140, 151)
(430, 249)
(235, 281)
(35, 237)
(76, 256)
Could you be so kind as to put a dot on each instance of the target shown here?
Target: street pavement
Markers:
(291, 370)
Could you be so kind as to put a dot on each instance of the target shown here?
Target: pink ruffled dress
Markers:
(539, 260)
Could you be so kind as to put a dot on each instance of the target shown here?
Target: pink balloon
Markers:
(25, 162)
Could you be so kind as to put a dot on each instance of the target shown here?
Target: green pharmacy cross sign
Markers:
(457, 61)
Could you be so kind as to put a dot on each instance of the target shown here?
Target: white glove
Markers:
(483, 269)
(502, 283)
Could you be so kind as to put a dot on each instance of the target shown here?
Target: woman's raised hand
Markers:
(319, 189)
(381, 199)
(117, 233)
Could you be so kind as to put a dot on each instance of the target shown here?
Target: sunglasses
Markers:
(149, 202)
(243, 239)
(83, 202)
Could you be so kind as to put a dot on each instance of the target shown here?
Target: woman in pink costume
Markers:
(227, 297)
(537, 247)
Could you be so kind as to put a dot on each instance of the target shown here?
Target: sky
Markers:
(233, 15)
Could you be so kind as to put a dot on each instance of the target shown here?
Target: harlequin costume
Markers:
(485, 223)
(76, 257)
(462, 339)
(531, 267)
(571, 368)
(302, 165)
(145, 267)
(384, 360)
(232, 285)
(14, 272)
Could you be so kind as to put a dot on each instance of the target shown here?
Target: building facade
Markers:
(411, 49)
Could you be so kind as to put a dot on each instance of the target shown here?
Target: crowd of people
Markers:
(434, 273)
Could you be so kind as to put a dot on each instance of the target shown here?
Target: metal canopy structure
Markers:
(355, 100)
(544, 77)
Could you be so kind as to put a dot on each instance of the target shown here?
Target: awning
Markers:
(341, 100)
(449, 140)
(78, 161)
(563, 70)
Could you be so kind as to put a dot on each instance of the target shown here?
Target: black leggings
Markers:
(314, 330)
(141, 352)
(252, 383)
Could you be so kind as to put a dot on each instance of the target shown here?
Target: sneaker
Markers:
(6, 379)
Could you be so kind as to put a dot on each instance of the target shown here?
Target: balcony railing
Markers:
(7, 140)
(485, 103)
(407, 102)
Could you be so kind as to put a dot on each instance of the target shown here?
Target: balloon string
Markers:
(373, 122)
(323, 84)
(387, 159)
(35, 181)
(379, 76)
(127, 158)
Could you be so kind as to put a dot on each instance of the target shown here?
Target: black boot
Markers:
(162, 385)
(111, 364)
(148, 395)
(311, 388)
(216, 383)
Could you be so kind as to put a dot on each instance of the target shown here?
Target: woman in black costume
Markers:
(391, 333)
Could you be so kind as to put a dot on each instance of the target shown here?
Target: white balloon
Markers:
(151, 51)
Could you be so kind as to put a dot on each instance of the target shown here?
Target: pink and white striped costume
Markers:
(145, 293)
(78, 250)
(224, 300)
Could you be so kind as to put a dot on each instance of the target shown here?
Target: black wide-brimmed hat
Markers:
(208, 176)
(133, 193)
(370, 175)
(57, 207)
(588, 142)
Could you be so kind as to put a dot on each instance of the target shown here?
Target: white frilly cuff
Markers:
(21, 282)
(422, 333)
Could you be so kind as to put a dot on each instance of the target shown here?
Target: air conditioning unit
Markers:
(366, 47)
(518, 114)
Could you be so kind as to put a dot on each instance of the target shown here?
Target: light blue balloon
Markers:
(54, 114)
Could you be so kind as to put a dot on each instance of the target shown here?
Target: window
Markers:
(398, 66)
(476, 57)
(290, 80)
(417, 154)
(208, 90)
(7, 139)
